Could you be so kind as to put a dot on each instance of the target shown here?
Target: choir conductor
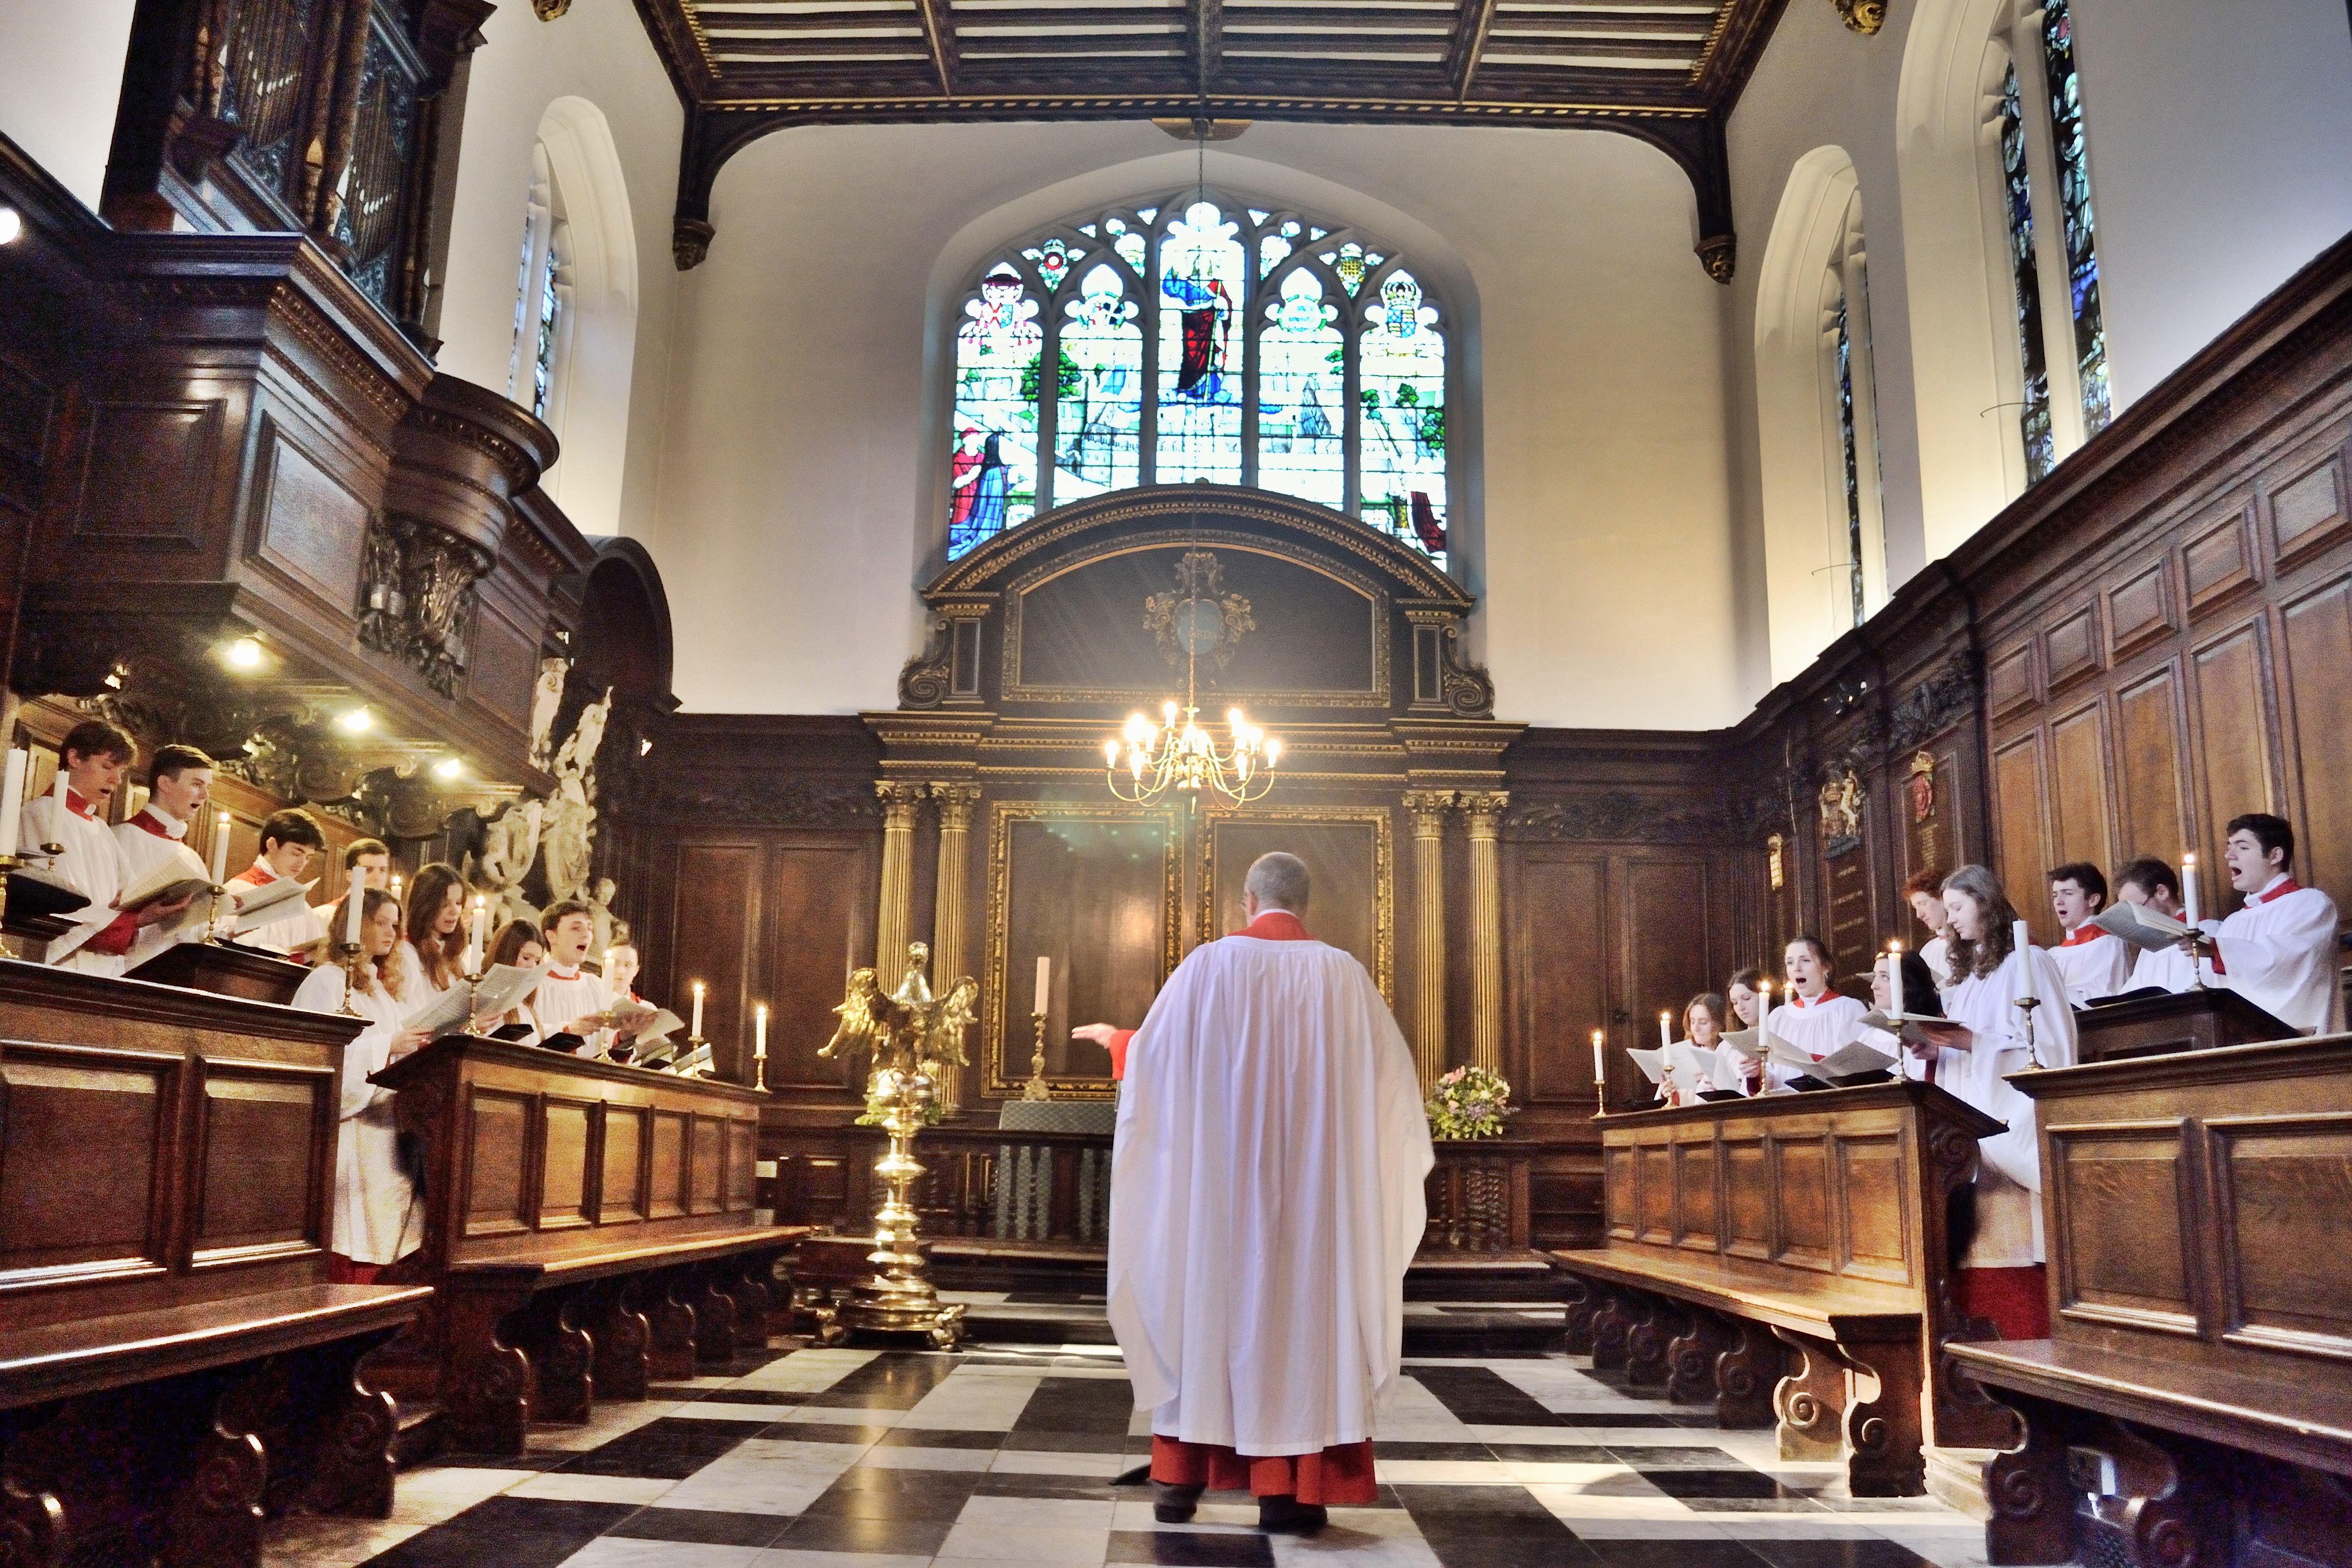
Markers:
(1266, 1199)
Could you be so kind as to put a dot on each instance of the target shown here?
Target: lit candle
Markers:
(1763, 1001)
(608, 966)
(2188, 887)
(697, 1031)
(473, 937)
(354, 900)
(394, 888)
(1599, 1063)
(1665, 1029)
(760, 1032)
(12, 802)
(1044, 986)
(220, 848)
(2022, 935)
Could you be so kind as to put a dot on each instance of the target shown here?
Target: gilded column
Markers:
(1428, 808)
(893, 924)
(1483, 810)
(954, 803)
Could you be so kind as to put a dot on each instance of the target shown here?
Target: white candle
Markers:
(2022, 934)
(58, 793)
(1665, 1029)
(1763, 1001)
(12, 801)
(220, 848)
(2188, 887)
(354, 900)
(760, 1032)
(1044, 986)
(474, 938)
(608, 968)
(696, 1030)
(1599, 1063)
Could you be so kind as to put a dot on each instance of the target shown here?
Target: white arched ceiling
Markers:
(1799, 443)
(1963, 302)
(589, 405)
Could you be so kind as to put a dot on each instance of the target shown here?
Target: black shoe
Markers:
(1288, 1516)
(1172, 1504)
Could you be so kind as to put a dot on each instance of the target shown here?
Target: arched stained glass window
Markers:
(1200, 337)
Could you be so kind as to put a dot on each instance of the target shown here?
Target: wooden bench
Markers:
(589, 1229)
(1787, 1258)
(175, 1362)
(2194, 1401)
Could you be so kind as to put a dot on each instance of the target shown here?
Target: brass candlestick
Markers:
(902, 1031)
(351, 951)
(760, 1071)
(1035, 1088)
(2026, 1005)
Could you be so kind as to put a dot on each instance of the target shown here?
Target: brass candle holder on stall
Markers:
(902, 1032)
(1035, 1088)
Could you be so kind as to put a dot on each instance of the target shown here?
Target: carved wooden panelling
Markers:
(2009, 681)
(2318, 679)
(1666, 932)
(259, 1160)
(148, 474)
(1555, 977)
(1802, 1172)
(2073, 647)
(563, 1156)
(817, 896)
(2119, 1198)
(621, 1195)
(27, 407)
(312, 524)
(742, 1158)
(2217, 559)
(494, 1167)
(1619, 1179)
(1748, 1219)
(1654, 1184)
(2274, 1175)
(1348, 865)
(2308, 512)
(2018, 830)
(2078, 754)
(2232, 717)
(60, 1115)
(502, 661)
(1695, 1195)
(667, 1194)
(2149, 779)
(707, 1180)
(2139, 610)
(1872, 1191)
(717, 919)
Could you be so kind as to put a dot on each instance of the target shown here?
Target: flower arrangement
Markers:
(1469, 1102)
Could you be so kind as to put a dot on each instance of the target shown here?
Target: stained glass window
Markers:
(2017, 191)
(1200, 337)
(2073, 159)
(1852, 459)
(551, 304)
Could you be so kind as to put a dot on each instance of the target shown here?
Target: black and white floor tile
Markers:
(1003, 1455)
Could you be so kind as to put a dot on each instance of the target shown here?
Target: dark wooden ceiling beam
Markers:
(1208, 43)
(715, 18)
(785, 51)
(1170, 47)
(938, 32)
(1679, 52)
(1470, 28)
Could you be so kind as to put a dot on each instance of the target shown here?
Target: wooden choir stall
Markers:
(1786, 1258)
(174, 1361)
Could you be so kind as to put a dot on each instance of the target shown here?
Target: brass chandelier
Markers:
(1147, 760)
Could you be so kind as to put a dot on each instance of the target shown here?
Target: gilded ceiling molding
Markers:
(1864, 16)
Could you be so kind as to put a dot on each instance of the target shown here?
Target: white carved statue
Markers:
(569, 843)
(510, 844)
(546, 699)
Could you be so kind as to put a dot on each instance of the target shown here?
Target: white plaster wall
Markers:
(800, 472)
(2220, 162)
(597, 51)
(60, 83)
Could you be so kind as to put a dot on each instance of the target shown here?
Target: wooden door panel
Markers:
(2147, 748)
(2319, 673)
(1559, 964)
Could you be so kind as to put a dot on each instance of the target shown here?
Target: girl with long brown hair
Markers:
(432, 950)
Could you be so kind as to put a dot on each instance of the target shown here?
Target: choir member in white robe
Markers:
(431, 957)
(1266, 1199)
(572, 995)
(290, 841)
(378, 1218)
(368, 863)
(92, 759)
(2279, 950)
(518, 943)
(2001, 1276)
(1815, 1019)
(1925, 893)
(2150, 883)
(179, 783)
(1704, 1020)
(2095, 962)
(1743, 997)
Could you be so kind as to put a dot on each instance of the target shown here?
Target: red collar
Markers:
(2083, 935)
(148, 822)
(1797, 999)
(554, 973)
(1277, 925)
(2271, 894)
(259, 874)
(78, 806)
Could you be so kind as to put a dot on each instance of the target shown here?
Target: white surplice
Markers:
(92, 865)
(1937, 951)
(566, 994)
(2279, 953)
(377, 1216)
(2167, 967)
(1265, 1199)
(1817, 1027)
(147, 841)
(2093, 962)
(2008, 1172)
(299, 928)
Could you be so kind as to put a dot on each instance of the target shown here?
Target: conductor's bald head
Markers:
(1278, 881)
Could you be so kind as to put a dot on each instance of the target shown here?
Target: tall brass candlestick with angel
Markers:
(911, 1036)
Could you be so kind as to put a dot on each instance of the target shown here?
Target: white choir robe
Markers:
(2279, 953)
(413, 983)
(92, 865)
(2094, 962)
(377, 1217)
(1817, 1027)
(1937, 951)
(1265, 1199)
(2009, 1171)
(566, 994)
(147, 841)
(300, 929)
(2166, 967)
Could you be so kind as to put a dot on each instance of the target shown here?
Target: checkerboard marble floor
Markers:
(859, 1459)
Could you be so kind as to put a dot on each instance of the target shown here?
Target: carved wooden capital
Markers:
(900, 801)
(1428, 807)
(956, 803)
(1483, 809)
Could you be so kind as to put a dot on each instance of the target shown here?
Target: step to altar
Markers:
(1431, 1328)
